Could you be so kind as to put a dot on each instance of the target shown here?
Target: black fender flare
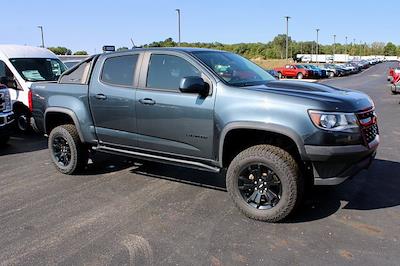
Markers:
(267, 127)
(68, 112)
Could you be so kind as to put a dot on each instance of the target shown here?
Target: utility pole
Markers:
(41, 30)
(287, 35)
(179, 25)
(317, 48)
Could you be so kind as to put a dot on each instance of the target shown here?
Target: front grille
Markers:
(2, 102)
(368, 125)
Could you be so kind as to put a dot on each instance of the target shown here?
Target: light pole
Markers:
(41, 30)
(316, 48)
(360, 49)
(334, 44)
(179, 25)
(345, 47)
(287, 35)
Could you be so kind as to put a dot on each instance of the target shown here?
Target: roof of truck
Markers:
(23, 51)
(177, 49)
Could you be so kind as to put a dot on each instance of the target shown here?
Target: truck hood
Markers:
(331, 98)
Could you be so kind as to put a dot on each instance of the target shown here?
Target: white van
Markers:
(20, 66)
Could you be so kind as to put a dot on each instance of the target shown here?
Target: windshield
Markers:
(39, 69)
(301, 66)
(234, 69)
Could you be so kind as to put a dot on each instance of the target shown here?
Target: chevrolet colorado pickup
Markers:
(210, 110)
(6, 115)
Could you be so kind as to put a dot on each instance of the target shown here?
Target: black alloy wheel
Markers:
(259, 186)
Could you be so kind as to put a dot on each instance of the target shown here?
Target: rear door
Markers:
(112, 98)
(168, 120)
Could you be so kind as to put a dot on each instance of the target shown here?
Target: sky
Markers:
(88, 25)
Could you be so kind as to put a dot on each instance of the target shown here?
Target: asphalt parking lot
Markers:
(120, 211)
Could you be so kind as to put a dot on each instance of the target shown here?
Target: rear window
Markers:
(77, 75)
(119, 70)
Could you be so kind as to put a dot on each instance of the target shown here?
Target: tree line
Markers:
(275, 49)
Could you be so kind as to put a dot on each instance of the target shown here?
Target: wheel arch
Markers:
(63, 113)
(266, 128)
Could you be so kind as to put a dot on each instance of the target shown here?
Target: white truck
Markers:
(20, 66)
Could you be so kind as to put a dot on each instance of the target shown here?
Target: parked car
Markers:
(293, 71)
(6, 115)
(316, 71)
(20, 67)
(393, 73)
(338, 71)
(210, 110)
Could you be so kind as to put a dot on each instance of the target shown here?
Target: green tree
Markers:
(80, 53)
(124, 48)
(59, 50)
(390, 49)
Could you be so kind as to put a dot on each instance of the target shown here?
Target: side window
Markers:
(119, 70)
(78, 75)
(166, 71)
(6, 76)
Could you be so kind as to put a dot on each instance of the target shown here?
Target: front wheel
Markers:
(300, 76)
(264, 182)
(66, 150)
(280, 76)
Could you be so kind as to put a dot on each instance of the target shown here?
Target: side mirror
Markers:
(194, 84)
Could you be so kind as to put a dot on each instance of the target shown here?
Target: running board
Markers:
(158, 158)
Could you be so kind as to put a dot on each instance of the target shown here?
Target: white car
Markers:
(20, 66)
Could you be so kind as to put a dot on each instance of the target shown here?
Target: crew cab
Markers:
(20, 67)
(210, 110)
(6, 115)
(293, 71)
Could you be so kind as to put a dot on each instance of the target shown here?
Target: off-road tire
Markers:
(79, 151)
(285, 167)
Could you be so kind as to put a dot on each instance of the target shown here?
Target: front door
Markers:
(168, 120)
(112, 99)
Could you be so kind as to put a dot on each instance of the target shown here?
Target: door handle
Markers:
(147, 101)
(101, 96)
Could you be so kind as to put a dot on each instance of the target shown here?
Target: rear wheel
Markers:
(331, 74)
(280, 75)
(66, 150)
(264, 182)
(300, 76)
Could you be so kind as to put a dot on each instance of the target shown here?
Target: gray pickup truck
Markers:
(6, 115)
(210, 110)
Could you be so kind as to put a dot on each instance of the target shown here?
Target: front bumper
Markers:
(334, 164)
(6, 123)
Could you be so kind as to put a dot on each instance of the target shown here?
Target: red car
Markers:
(293, 71)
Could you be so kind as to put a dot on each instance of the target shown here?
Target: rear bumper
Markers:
(334, 164)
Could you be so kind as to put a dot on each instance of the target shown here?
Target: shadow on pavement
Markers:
(24, 142)
(376, 188)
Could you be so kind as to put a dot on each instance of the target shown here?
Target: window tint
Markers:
(119, 70)
(166, 71)
(78, 75)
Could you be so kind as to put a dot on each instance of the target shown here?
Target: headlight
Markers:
(346, 122)
(7, 100)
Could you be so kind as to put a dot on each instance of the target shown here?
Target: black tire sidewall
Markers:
(73, 164)
(280, 210)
